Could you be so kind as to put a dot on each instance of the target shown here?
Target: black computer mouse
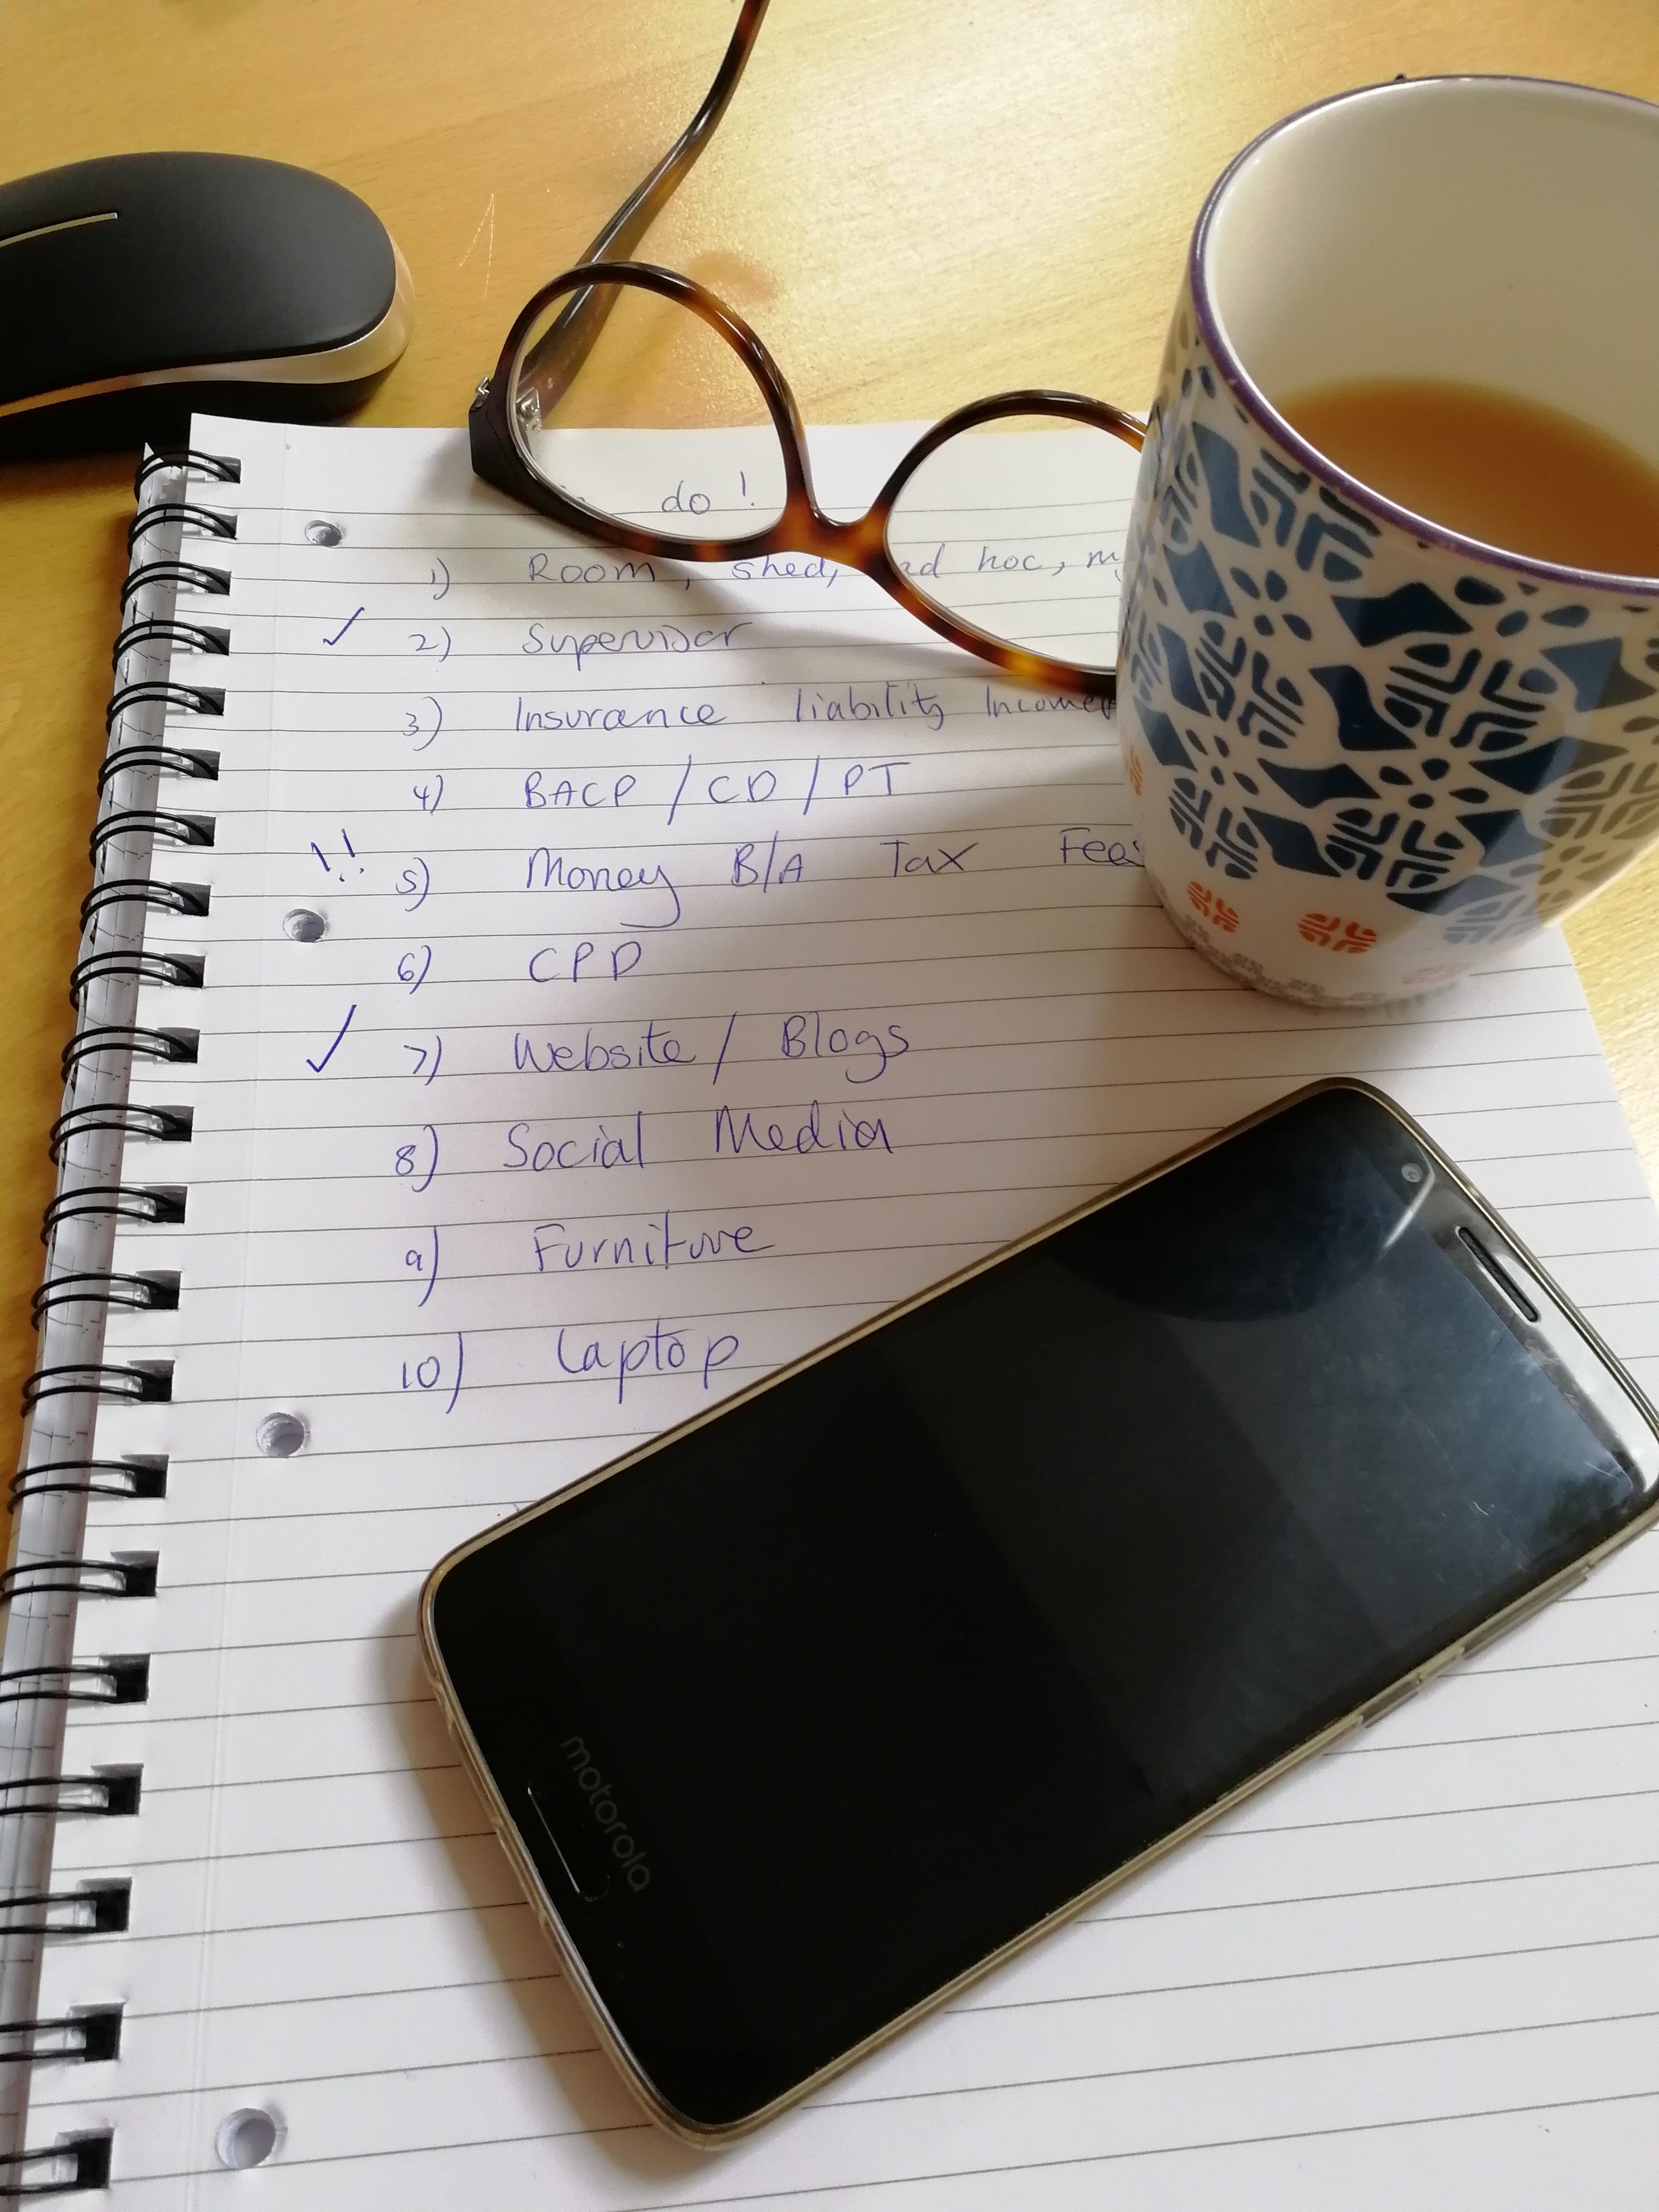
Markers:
(164, 281)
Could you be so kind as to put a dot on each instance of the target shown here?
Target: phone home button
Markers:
(579, 1855)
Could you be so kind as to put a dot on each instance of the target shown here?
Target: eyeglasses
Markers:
(997, 529)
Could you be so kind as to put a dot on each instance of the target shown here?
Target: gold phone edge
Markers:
(702, 2137)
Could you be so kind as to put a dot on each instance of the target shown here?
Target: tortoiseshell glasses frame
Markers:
(593, 287)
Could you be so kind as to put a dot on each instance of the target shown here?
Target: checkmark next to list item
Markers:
(343, 628)
(318, 1065)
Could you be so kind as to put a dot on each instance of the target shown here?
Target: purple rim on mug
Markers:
(1256, 400)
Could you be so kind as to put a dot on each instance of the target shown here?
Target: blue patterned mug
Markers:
(1365, 749)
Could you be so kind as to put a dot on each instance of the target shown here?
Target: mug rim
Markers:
(1256, 400)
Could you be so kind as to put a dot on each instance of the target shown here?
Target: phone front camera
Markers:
(1411, 1172)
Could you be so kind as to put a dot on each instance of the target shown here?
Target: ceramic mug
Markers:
(1366, 750)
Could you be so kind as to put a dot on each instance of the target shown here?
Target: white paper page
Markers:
(511, 1169)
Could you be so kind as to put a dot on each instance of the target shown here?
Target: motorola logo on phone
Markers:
(607, 1814)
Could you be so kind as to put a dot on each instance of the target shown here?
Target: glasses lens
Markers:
(615, 357)
(1015, 527)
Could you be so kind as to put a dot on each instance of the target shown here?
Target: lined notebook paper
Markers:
(711, 957)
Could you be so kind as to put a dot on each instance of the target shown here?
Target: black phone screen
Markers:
(809, 1710)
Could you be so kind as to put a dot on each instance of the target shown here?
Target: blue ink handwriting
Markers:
(417, 1258)
(318, 1065)
(428, 1372)
(661, 1353)
(891, 701)
(548, 964)
(416, 1162)
(423, 1053)
(559, 874)
(849, 1133)
(857, 1046)
(661, 637)
(566, 793)
(604, 1150)
(745, 872)
(654, 1244)
(941, 861)
(653, 1048)
(1079, 843)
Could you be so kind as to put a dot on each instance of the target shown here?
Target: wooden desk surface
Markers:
(914, 205)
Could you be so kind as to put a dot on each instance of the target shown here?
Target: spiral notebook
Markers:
(525, 994)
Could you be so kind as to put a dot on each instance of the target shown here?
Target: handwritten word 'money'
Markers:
(604, 1150)
(653, 1048)
(662, 1352)
(558, 874)
(660, 637)
(1079, 843)
(849, 1133)
(871, 702)
(659, 1246)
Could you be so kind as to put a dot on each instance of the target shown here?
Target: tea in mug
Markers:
(1511, 473)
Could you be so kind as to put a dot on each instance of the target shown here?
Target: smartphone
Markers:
(797, 1718)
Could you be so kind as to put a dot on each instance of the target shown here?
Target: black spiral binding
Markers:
(193, 698)
(107, 1793)
(185, 971)
(147, 1293)
(168, 630)
(187, 575)
(145, 1045)
(139, 1475)
(81, 2162)
(123, 890)
(123, 821)
(155, 1125)
(222, 468)
(165, 758)
(201, 521)
(138, 1383)
(77, 2162)
(109, 1681)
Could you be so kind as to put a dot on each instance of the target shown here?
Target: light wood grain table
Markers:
(914, 204)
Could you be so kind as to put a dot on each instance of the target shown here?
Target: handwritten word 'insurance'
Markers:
(548, 871)
(661, 637)
(662, 1351)
(695, 713)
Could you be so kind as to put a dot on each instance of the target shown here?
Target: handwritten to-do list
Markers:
(621, 976)
(710, 957)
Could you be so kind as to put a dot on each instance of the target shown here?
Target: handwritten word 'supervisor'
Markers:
(999, 528)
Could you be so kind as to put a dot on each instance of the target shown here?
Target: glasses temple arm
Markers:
(560, 352)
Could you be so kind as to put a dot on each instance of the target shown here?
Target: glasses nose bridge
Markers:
(859, 544)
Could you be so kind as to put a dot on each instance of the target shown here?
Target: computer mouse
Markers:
(169, 280)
